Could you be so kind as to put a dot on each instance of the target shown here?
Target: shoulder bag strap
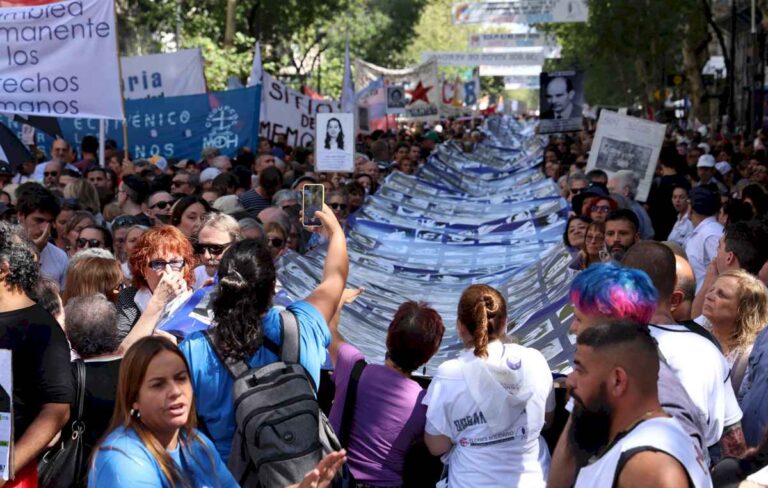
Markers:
(739, 369)
(80, 392)
(290, 350)
(234, 367)
(349, 402)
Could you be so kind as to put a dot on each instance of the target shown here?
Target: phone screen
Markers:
(311, 202)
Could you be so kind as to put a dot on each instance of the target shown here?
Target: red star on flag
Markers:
(419, 93)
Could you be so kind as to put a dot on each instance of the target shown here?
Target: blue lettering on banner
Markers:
(180, 127)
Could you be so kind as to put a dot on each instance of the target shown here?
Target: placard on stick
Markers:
(334, 143)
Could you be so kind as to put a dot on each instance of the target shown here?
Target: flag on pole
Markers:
(49, 125)
(348, 102)
(256, 70)
(11, 148)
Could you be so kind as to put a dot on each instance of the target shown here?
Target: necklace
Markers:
(628, 428)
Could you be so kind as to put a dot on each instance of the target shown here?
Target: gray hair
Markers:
(577, 177)
(91, 325)
(220, 161)
(627, 178)
(91, 252)
(222, 222)
(283, 195)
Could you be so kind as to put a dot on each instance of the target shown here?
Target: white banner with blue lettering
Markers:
(163, 75)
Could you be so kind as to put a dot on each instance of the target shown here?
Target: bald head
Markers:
(658, 262)
(685, 290)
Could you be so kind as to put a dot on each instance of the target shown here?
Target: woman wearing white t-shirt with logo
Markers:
(486, 409)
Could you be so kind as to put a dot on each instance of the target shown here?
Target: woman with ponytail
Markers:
(245, 322)
(486, 409)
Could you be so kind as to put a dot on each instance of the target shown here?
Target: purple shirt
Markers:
(388, 418)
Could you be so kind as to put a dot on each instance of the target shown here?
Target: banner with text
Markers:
(180, 127)
(286, 112)
(59, 59)
(517, 12)
(528, 57)
(510, 40)
(163, 75)
(420, 83)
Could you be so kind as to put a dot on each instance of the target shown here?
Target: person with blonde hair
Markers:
(736, 307)
(86, 195)
(216, 234)
(90, 275)
(487, 408)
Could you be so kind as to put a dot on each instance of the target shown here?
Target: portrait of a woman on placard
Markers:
(334, 135)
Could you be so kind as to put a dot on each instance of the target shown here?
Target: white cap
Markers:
(209, 174)
(723, 168)
(228, 204)
(704, 147)
(706, 161)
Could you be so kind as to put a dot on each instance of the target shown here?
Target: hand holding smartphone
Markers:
(312, 200)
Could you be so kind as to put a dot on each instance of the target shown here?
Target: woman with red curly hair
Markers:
(161, 268)
(597, 208)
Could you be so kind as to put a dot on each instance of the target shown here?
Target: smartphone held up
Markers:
(312, 198)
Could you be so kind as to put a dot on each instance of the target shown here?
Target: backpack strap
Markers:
(234, 366)
(740, 368)
(350, 399)
(290, 350)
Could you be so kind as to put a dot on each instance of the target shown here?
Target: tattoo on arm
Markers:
(732, 443)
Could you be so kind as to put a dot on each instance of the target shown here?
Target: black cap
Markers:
(139, 185)
(704, 201)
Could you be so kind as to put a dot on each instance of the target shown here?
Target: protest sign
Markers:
(59, 59)
(624, 142)
(509, 40)
(522, 82)
(180, 127)
(6, 414)
(395, 99)
(562, 101)
(520, 12)
(458, 96)
(420, 83)
(515, 70)
(525, 56)
(335, 147)
(163, 75)
(291, 114)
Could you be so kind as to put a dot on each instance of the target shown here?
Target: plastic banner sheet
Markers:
(489, 216)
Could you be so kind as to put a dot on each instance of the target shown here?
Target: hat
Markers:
(209, 174)
(228, 204)
(706, 161)
(704, 147)
(182, 164)
(309, 178)
(723, 168)
(592, 191)
(137, 184)
(432, 136)
(160, 162)
(5, 168)
(704, 201)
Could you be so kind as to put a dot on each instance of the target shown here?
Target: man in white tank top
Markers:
(617, 406)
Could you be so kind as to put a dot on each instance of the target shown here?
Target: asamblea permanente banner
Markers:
(180, 127)
(163, 75)
(520, 12)
(59, 58)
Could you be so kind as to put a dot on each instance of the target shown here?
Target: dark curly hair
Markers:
(22, 260)
(244, 293)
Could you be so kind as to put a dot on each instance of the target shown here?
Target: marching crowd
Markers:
(669, 302)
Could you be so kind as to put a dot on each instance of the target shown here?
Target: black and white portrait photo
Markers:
(561, 101)
(614, 155)
(335, 136)
(396, 100)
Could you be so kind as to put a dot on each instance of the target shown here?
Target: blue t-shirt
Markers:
(122, 460)
(213, 384)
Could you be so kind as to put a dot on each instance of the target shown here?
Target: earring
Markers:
(135, 413)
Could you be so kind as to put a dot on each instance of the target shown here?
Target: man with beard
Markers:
(614, 385)
(217, 232)
(606, 293)
(621, 232)
(159, 207)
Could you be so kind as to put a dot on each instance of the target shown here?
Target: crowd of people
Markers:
(669, 305)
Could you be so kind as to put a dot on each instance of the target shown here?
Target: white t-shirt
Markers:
(499, 445)
(703, 371)
(53, 263)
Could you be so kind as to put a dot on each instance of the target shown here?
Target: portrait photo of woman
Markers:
(334, 135)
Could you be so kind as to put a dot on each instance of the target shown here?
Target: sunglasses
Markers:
(576, 191)
(88, 243)
(213, 249)
(50, 173)
(162, 205)
(123, 221)
(159, 264)
(601, 208)
(277, 242)
(338, 206)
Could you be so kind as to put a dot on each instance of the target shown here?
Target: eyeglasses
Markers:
(176, 183)
(594, 237)
(89, 243)
(50, 173)
(601, 208)
(213, 249)
(276, 242)
(338, 206)
(159, 264)
(162, 205)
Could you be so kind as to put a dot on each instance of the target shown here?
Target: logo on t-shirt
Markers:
(469, 421)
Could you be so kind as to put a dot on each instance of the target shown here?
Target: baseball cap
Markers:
(160, 162)
(137, 184)
(704, 147)
(706, 161)
(432, 136)
(5, 168)
(209, 174)
(704, 201)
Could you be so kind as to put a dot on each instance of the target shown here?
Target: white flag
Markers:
(256, 71)
(348, 102)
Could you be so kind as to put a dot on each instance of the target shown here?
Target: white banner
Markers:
(524, 82)
(59, 59)
(289, 113)
(420, 82)
(459, 96)
(163, 75)
(520, 12)
(530, 58)
(519, 70)
(623, 142)
(509, 40)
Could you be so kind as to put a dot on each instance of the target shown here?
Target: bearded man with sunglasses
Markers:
(216, 234)
(159, 207)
